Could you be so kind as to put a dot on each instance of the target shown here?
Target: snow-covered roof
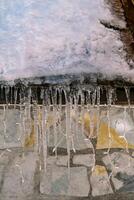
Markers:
(53, 37)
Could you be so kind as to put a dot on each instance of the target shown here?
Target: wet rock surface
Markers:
(86, 160)
(121, 166)
(21, 176)
(100, 181)
(76, 167)
(18, 175)
(57, 182)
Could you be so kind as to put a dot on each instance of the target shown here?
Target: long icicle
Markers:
(44, 136)
(55, 121)
(68, 128)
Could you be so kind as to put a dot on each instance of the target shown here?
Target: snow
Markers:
(53, 37)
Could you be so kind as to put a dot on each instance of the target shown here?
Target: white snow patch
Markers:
(52, 37)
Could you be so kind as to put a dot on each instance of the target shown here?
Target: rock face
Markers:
(88, 174)
(57, 182)
(122, 167)
(18, 178)
(86, 160)
(100, 182)
(10, 131)
(21, 176)
(120, 162)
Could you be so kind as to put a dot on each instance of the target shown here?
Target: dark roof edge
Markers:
(72, 79)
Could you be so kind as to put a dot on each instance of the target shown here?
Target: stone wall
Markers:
(94, 167)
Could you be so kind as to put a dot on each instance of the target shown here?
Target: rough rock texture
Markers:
(19, 176)
(11, 134)
(100, 182)
(122, 167)
(57, 182)
(86, 160)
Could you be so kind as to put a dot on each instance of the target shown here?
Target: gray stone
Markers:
(51, 160)
(122, 167)
(100, 182)
(46, 181)
(57, 182)
(117, 183)
(19, 179)
(57, 160)
(13, 129)
(4, 161)
(62, 161)
(86, 160)
(128, 186)
(120, 162)
(5, 156)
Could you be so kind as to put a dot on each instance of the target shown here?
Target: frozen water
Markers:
(56, 123)
(40, 38)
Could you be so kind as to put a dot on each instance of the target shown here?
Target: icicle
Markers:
(60, 113)
(124, 133)
(28, 118)
(110, 96)
(42, 94)
(92, 114)
(82, 112)
(40, 137)
(29, 104)
(24, 119)
(35, 120)
(7, 95)
(46, 102)
(90, 108)
(1, 93)
(68, 129)
(5, 125)
(55, 121)
(89, 100)
(11, 95)
(44, 136)
(98, 109)
(72, 135)
(15, 97)
(109, 103)
(5, 112)
(94, 97)
(48, 130)
(20, 124)
(76, 119)
(109, 131)
(21, 173)
(127, 91)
